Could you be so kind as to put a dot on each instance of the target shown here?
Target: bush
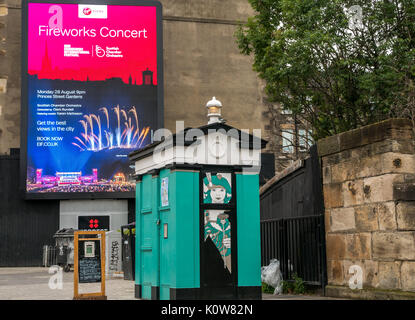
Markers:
(299, 287)
(294, 286)
(267, 288)
(337, 65)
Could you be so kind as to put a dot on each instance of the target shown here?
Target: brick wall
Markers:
(369, 196)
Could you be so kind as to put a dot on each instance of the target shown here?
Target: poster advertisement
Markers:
(164, 192)
(92, 95)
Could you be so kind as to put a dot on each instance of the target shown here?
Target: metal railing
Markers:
(299, 245)
(49, 256)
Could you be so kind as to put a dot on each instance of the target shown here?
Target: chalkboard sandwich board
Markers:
(89, 262)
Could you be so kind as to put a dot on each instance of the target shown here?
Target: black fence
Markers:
(49, 256)
(292, 222)
(299, 246)
(298, 193)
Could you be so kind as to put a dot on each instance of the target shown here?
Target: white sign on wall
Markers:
(164, 192)
(113, 253)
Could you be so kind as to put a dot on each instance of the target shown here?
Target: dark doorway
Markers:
(25, 225)
(218, 238)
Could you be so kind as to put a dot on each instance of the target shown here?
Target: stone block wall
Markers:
(10, 45)
(369, 196)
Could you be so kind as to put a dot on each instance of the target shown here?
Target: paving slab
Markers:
(33, 284)
(267, 296)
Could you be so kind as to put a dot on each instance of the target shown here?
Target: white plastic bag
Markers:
(271, 275)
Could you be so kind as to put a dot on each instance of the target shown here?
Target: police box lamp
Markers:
(214, 110)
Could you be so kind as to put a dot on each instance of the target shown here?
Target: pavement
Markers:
(267, 296)
(33, 284)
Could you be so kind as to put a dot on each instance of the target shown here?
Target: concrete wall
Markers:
(69, 211)
(369, 196)
(117, 210)
(201, 60)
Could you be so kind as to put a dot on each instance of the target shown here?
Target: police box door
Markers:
(218, 267)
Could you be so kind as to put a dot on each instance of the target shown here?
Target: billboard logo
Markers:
(99, 51)
(87, 11)
(92, 11)
(93, 223)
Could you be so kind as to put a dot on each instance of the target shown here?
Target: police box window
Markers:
(94, 223)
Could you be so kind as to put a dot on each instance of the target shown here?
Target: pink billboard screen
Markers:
(92, 94)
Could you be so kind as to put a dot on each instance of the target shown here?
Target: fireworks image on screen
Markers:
(97, 136)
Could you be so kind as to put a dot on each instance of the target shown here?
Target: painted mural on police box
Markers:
(92, 94)
(217, 188)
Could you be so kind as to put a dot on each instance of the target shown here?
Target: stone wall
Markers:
(369, 196)
(202, 59)
(10, 63)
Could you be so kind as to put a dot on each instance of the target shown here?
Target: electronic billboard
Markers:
(92, 92)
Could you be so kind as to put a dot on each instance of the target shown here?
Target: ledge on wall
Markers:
(368, 294)
(387, 129)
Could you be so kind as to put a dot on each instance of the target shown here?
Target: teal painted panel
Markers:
(146, 194)
(138, 233)
(187, 228)
(167, 245)
(248, 228)
(149, 245)
(156, 231)
(146, 291)
(147, 266)
(172, 262)
(164, 293)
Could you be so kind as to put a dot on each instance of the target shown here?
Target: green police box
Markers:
(197, 214)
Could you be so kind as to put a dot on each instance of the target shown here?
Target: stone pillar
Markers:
(369, 195)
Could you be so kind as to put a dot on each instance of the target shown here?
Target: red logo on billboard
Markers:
(87, 11)
(93, 223)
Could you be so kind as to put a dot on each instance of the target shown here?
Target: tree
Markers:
(336, 64)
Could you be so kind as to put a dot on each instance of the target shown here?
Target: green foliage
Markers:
(299, 287)
(127, 231)
(267, 288)
(295, 286)
(333, 73)
(287, 287)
